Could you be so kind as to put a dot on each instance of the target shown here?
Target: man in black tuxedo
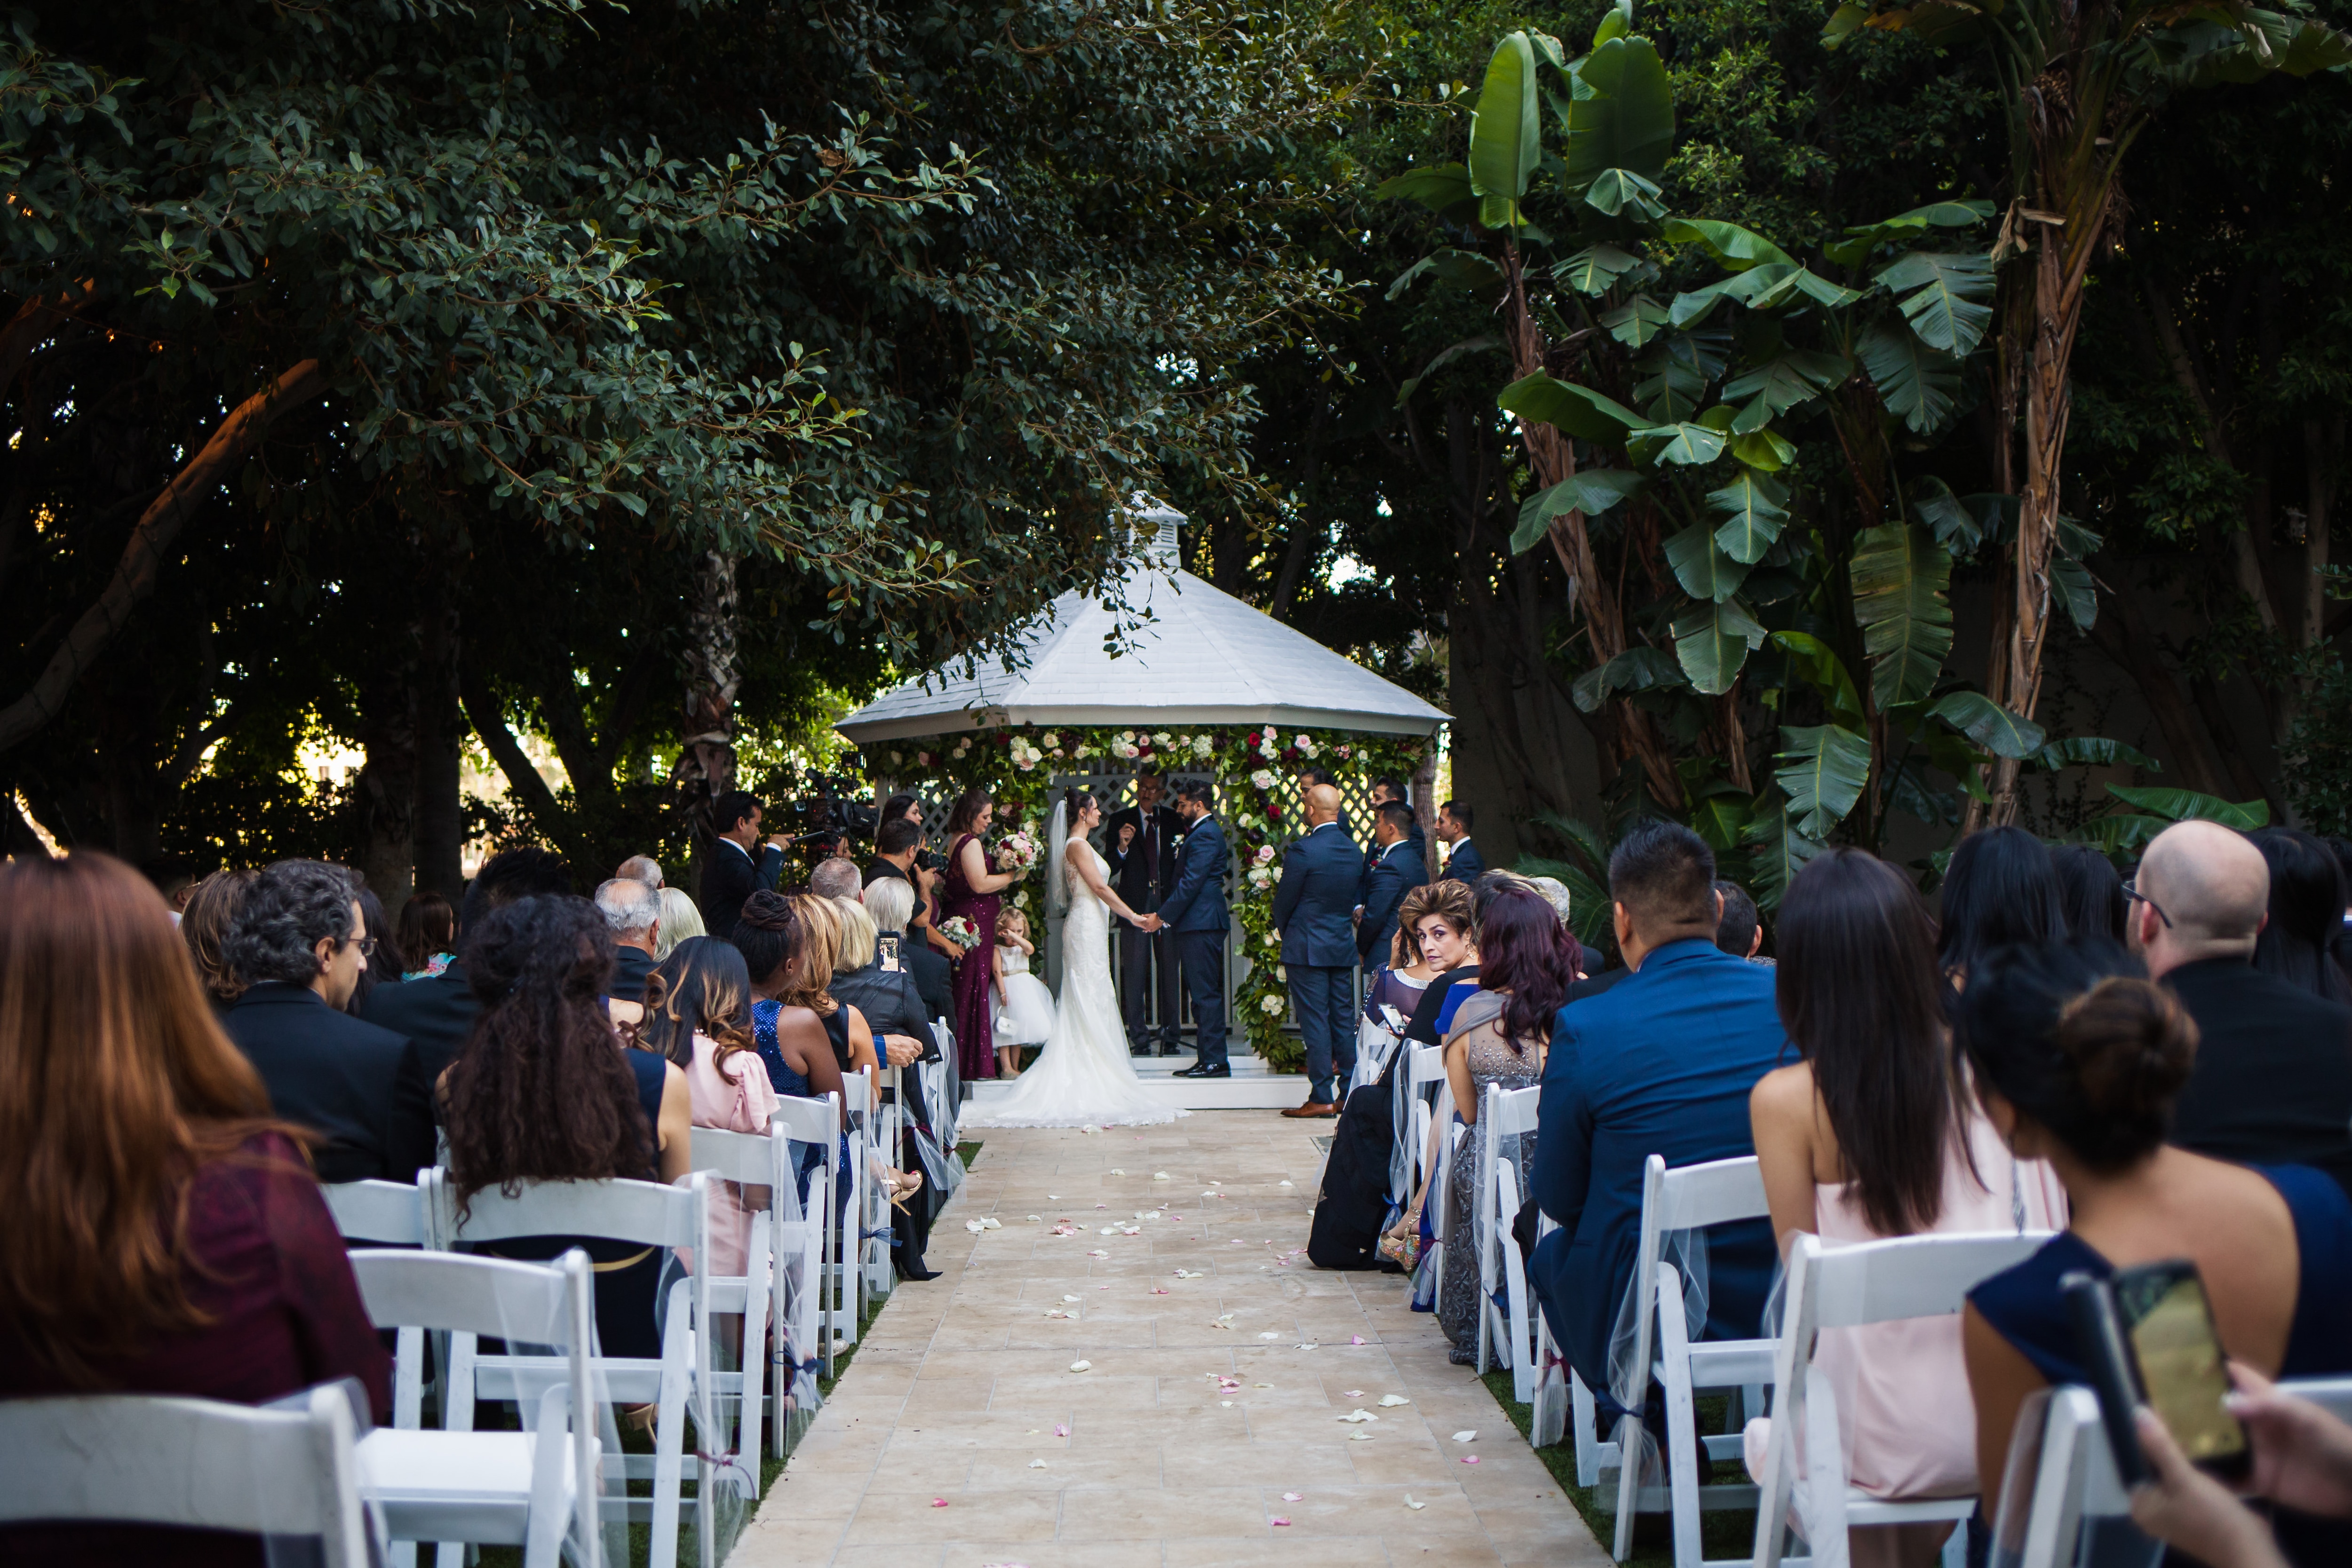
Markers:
(299, 941)
(1462, 862)
(1141, 845)
(737, 865)
(2272, 1082)
(439, 1012)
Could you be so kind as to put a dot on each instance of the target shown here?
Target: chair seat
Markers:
(450, 1486)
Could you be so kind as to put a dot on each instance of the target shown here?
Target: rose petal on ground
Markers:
(939, 1502)
(1070, 1297)
(1359, 1436)
(1158, 1290)
(1389, 1401)
(975, 1226)
(1356, 1418)
(1033, 1219)
(1115, 1171)
(1278, 1520)
(1262, 1386)
(1469, 1458)
(1285, 1184)
(1224, 1403)
(1061, 1429)
(993, 1224)
(1269, 1336)
(1465, 1436)
(1098, 1253)
(1054, 1196)
(1355, 1394)
(1080, 1366)
(1105, 1230)
(1410, 1503)
(1294, 1497)
(1356, 1339)
(1160, 1176)
(1036, 1464)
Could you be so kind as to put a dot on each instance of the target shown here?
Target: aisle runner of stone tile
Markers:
(961, 1438)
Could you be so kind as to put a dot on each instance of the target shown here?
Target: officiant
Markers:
(1139, 843)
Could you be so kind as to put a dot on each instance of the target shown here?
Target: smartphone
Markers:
(2146, 1335)
(887, 949)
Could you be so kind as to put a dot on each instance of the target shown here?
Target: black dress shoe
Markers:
(1204, 1070)
(1172, 1046)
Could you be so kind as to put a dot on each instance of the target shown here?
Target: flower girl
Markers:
(1024, 1008)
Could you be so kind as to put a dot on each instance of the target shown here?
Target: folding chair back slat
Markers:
(389, 1213)
(641, 1213)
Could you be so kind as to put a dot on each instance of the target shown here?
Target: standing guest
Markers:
(428, 936)
(1397, 869)
(165, 1236)
(1870, 1135)
(1998, 889)
(632, 913)
(2079, 1061)
(641, 868)
(904, 808)
(974, 883)
(679, 920)
(1195, 911)
(2307, 914)
(1314, 908)
(204, 927)
(1661, 1063)
(699, 1016)
(1463, 861)
(737, 865)
(300, 943)
(1142, 855)
(2089, 891)
(1741, 930)
(890, 900)
(1384, 791)
(1526, 961)
(437, 1013)
(898, 845)
(544, 1091)
(2272, 1080)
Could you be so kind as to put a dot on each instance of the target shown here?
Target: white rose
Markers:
(1202, 746)
(1271, 1004)
(1160, 739)
(1262, 779)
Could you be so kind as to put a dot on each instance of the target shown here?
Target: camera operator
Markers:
(897, 846)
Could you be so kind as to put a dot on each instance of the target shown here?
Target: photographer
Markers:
(897, 853)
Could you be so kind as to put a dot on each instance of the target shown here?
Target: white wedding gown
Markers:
(1084, 1079)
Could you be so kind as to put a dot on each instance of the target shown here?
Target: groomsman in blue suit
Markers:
(1315, 910)
(1195, 911)
(1397, 869)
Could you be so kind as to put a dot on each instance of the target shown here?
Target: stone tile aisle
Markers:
(965, 1383)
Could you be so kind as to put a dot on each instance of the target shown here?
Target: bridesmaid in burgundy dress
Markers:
(972, 883)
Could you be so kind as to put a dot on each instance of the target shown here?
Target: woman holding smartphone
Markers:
(2078, 1058)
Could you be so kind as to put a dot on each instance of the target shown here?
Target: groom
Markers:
(1194, 910)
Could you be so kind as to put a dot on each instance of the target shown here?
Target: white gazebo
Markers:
(1177, 652)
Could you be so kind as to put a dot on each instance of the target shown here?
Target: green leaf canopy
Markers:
(1900, 575)
(1943, 297)
(1713, 640)
(1580, 411)
(1624, 116)
(1505, 138)
(1828, 765)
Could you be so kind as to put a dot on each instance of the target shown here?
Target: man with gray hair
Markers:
(2273, 1084)
(299, 942)
(836, 878)
(632, 912)
(641, 868)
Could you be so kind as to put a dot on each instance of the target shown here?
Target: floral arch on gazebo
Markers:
(1205, 686)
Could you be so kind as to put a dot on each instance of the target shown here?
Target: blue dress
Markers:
(791, 1082)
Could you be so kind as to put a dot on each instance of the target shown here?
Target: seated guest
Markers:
(641, 868)
(2079, 1061)
(810, 983)
(1449, 945)
(300, 943)
(1396, 870)
(2303, 1460)
(632, 913)
(1997, 889)
(885, 996)
(2273, 1078)
(790, 1035)
(1661, 1063)
(543, 1089)
(203, 926)
(836, 878)
(385, 963)
(1869, 1136)
(2089, 892)
(1741, 930)
(699, 1016)
(2307, 914)
(679, 919)
(428, 936)
(1395, 988)
(890, 900)
(1462, 862)
(437, 1012)
(165, 1235)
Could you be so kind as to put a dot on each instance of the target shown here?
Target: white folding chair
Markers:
(638, 1214)
(2059, 1475)
(1843, 1288)
(747, 1159)
(389, 1213)
(1689, 1197)
(1504, 1316)
(2333, 1395)
(1426, 1068)
(531, 1489)
(817, 1123)
(866, 1257)
(136, 1459)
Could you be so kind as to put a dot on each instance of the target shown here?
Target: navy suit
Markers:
(1659, 1063)
(1315, 909)
(1397, 871)
(1195, 911)
(1463, 862)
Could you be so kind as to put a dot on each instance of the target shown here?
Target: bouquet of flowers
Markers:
(1019, 852)
(959, 930)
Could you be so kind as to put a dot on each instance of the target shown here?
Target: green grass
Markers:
(1730, 1533)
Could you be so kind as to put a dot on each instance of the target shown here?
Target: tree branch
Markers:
(482, 711)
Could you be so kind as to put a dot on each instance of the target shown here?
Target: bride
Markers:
(1084, 1079)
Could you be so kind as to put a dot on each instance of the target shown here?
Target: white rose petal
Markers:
(1356, 1418)
(992, 1223)
(1285, 1184)
(1036, 1464)
(1465, 1436)
(1097, 1254)
(1081, 1366)
(1070, 1297)
(1389, 1401)
(1359, 1436)
(1033, 1219)
(1269, 1336)
(1159, 1176)
(1411, 1504)
(1118, 1173)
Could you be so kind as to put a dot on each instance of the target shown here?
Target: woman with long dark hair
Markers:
(428, 936)
(2089, 891)
(1526, 961)
(786, 1030)
(1874, 1134)
(2307, 914)
(543, 1089)
(385, 961)
(165, 1234)
(1998, 889)
(699, 1014)
(974, 883)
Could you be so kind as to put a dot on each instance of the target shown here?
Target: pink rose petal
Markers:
(1278, 1520)
(1469, 1458)
(1294, 1497)
(1356, 1338)
(1062, 1431)
(939, 1502)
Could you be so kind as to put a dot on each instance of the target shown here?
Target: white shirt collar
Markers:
(738, 849)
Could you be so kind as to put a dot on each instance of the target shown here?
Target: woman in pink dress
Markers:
(702, 1021)
(974, 883)
(1874, 1133)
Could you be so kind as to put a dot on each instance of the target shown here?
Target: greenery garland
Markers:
(1254, 768)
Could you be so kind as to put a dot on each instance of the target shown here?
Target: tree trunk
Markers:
(388, 785)
(440, 819)
(706, 753)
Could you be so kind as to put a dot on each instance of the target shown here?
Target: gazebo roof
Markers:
(1204, 657)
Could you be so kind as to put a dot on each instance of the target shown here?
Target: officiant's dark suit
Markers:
(1143, 873)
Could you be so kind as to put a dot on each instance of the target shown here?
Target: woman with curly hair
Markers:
(543, 1089)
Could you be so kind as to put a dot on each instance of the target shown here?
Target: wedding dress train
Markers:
(1085, 1077)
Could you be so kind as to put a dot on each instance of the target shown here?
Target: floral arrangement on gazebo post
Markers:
(1253, 767)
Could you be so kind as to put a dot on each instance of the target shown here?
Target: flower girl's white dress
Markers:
(1027, 1015)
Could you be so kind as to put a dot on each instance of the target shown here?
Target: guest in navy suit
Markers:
(1315, 909)
(737, 864)
(1661, 1064)
(1397, 869)
(1462, 862)
(1195, 911)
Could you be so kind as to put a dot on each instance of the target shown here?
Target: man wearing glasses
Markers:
(2273, 1084)
(299, 942)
